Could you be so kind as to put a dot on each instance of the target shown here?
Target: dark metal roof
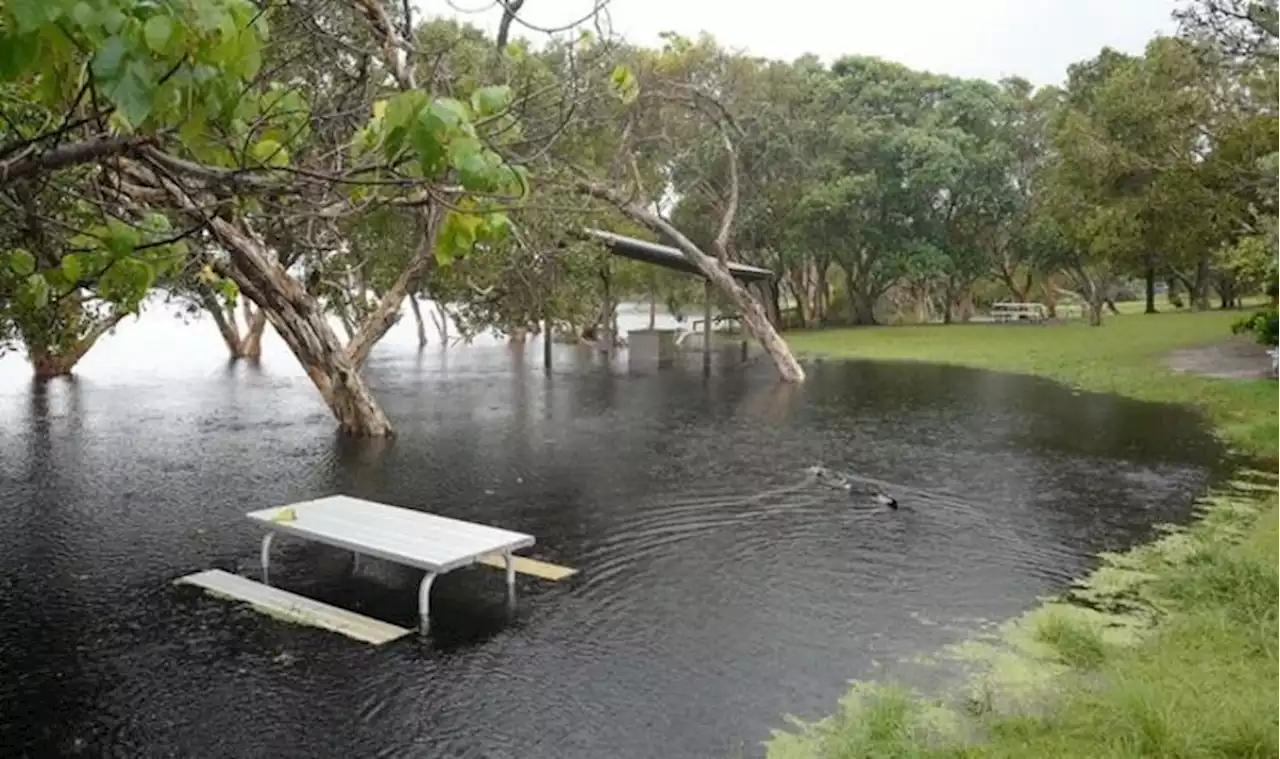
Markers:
(667, 256)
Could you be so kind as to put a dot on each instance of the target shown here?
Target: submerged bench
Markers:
(292, 607)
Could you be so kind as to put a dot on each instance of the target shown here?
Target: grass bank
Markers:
(1125, 356)
(1168, 650)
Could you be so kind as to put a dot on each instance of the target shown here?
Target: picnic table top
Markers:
(404, 536)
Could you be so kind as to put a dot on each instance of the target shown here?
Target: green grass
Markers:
(1200, 681)
(1124, 356)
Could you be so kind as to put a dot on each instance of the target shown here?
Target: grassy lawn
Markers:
(1124, 356)
(1198, 678)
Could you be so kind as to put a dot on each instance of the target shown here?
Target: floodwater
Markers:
(717, 591)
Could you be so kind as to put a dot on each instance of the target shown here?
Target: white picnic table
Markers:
(1007, 311)
(413, 538)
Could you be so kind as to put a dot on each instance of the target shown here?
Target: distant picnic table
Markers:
(1008, 311)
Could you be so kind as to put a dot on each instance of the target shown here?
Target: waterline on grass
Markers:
(1050, 657)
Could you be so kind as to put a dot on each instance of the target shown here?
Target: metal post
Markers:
(265, 557)
(706, 327)
(511, 577)
(546, 343)
(424, 602)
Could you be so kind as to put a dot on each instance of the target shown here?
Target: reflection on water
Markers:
(718, 590)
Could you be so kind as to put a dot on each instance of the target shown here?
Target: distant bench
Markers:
(1013, 312)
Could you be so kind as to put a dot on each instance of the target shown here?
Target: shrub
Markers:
(1263, 325)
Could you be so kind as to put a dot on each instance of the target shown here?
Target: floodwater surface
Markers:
(717, 592)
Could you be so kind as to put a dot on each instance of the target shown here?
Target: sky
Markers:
(991, 39)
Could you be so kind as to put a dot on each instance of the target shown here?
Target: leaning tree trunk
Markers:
(49, 361)
(248, 345)
(417, 320)
(251, 346)
(301, 322)
(753, 315)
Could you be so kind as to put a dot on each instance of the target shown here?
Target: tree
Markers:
(669, 107)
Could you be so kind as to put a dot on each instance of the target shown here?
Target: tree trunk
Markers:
(862, 304)
(751, 312)
(300, 321)
(1200, 287)
(1050, 298)
(248, 345)
(1151, 289)
(822, 293)
(1095, 313)
(947, 304)
(440, 318)
(48, 362)
(417, 320)
(251, 345)
(1111, 306)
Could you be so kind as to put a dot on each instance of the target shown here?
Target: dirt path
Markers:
(1237, 358)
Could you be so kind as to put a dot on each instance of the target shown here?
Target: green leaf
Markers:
(120, 238)
(457, 236)
(37, 291)
(17, 54)
(425, 138)
(270, 152)
(106, 61)
(487, 101)
(452, 113)
(113, 20)
(28, 13)
(84, 14)
(624, 84)
(473, 171)
(156, 32)
(71, 268)
(134, 93)
(21, 262)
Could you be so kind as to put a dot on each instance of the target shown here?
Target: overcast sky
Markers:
(1035, 39)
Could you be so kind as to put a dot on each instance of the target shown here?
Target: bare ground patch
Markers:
(1225, 359)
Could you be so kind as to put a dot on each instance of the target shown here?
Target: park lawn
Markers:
(1201, 681)
(1125, 356)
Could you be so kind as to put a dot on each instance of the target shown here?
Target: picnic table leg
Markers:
(265, 557)
(424, 601)
(511, 576)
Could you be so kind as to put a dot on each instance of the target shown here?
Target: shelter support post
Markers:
(706, 328)
(546, 343)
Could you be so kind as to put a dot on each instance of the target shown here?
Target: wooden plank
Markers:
(403, 536)
(292, 607)
(528, 566)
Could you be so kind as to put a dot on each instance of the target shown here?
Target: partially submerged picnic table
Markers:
(429, 542)
(402, 536)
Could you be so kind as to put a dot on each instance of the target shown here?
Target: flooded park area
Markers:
(718, 589)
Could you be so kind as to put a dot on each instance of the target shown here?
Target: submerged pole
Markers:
(546, 343)
(706, 328)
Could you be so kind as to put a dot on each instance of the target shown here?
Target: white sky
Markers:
(1035, 39)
